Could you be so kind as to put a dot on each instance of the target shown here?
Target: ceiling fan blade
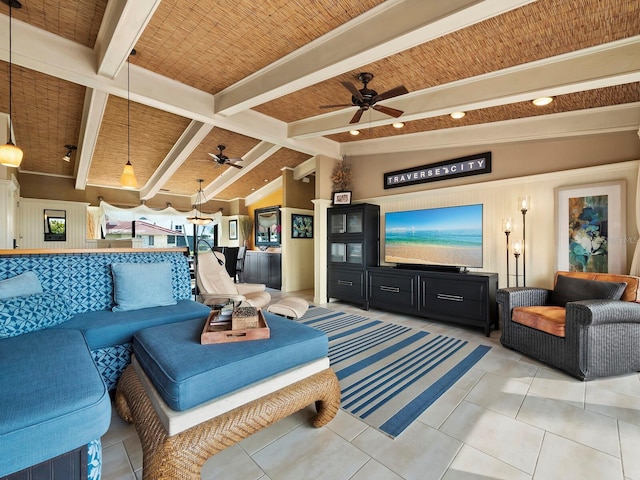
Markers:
(214, 156)
(233, 165)
(357, 116)
(388, 110)
(336, 106)
(354, 91)
(394, 92)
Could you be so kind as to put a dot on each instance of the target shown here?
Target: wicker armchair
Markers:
(600, 337)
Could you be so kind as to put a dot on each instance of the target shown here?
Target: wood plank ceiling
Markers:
(252, 76)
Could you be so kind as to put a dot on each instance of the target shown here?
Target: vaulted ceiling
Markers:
(252, 76)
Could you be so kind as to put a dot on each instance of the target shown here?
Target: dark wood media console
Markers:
(467, 298)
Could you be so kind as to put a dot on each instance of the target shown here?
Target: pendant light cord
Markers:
(10, 82)
(128, 118)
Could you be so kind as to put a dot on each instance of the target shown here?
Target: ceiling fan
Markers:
(366, 98)
(222, 159)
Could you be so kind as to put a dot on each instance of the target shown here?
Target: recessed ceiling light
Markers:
(458, 115)
(266, 180)
(542, 101)
(398, 124)
(354, 132)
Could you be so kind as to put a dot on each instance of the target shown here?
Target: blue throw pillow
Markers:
(141, 285)
(29, 313)
(26, 283)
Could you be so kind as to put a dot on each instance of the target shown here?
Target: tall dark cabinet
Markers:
(353, 244)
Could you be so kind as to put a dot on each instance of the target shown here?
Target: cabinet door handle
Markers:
(451, 298)
(344, 282)
(389, 289)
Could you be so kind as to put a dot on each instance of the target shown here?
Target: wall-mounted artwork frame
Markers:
(55, 225)
(233, 229)
(301, 226)
(591, 228)
(267, 227)
(342, 198)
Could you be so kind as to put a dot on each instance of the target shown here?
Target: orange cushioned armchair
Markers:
(588, 325)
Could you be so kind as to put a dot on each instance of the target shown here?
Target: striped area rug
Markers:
(389, 374)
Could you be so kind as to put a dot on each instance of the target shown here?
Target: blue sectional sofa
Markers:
(67, 319)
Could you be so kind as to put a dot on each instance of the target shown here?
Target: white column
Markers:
(320, 249)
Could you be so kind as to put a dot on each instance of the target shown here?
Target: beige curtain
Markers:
(635, 264)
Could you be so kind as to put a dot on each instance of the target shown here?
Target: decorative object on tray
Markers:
(244, 316)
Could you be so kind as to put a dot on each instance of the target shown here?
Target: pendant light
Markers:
(128, 178)
(10, 155)
(197, 219)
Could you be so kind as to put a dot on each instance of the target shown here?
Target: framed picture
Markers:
(55, 225)
(233, 229)
(590, 228)
(342, 198)
(301, 226)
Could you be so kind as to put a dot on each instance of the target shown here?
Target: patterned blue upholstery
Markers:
(111, 362)
(85, 280)
(94, 460)
(26, 314)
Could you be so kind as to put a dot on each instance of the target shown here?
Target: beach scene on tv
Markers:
(437, 236)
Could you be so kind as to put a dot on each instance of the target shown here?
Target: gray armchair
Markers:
(586, 338)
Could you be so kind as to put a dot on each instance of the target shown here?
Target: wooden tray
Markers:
(224, 333)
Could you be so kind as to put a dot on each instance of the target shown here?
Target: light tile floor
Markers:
(507, 418)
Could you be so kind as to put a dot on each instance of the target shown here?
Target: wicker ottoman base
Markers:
(181, 456)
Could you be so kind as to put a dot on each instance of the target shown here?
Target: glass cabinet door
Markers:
(354, 253)
(338, 252)
(338, 223)
(354, 222)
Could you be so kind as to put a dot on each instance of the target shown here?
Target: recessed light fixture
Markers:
(458, 115)
(398, 124)
(542, 101)
(266, 180)
(354, 132)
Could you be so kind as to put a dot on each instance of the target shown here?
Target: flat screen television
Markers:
(439, 237)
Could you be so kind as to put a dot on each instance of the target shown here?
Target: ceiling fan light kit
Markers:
(366, 98)
(10, 155)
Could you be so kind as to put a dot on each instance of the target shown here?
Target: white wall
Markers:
(31, 224)
(500, 199)
(9, 194)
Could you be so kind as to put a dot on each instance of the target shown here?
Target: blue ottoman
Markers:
(186, 373)
(172, 365)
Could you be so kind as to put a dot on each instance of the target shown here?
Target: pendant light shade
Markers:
(128, 178)
(10, 155)
(197, 219)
